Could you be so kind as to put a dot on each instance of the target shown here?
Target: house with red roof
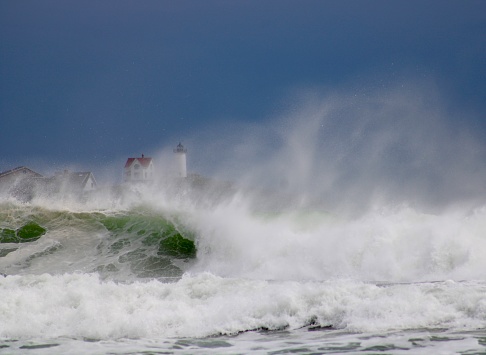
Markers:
(139, 170)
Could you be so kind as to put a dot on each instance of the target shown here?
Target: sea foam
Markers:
(83, 306)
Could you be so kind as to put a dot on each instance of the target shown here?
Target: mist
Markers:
(326, 183)
(352, 150)
(344, 150)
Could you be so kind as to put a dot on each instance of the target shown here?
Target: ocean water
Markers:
(160, 274)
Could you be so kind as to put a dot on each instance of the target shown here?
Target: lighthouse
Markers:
(180, 153)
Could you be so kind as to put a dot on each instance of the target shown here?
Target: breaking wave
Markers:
(369, 233)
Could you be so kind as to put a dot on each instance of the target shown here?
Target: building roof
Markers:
(75, 180)
(79, 178)
(22, 169)
(145, 162)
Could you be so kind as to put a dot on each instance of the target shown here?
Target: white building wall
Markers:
(90, 185)
(181, 165)
(137, 172)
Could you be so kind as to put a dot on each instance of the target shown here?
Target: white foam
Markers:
(395, 245)
(82, 306)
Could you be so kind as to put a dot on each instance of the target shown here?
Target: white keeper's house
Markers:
(139, 170)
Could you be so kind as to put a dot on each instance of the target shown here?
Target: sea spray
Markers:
(389, 245)
(352, 151)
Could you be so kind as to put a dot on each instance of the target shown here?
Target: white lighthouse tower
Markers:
(180, 152)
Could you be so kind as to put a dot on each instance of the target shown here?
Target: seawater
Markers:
(158, 276)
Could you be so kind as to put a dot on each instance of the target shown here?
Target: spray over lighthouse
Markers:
(180, 153)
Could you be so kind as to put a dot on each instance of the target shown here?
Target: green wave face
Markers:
(27, 233)
(139, 243)
(20, 225)
(151, 245)
(151, 231)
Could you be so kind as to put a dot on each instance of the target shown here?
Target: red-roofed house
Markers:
(139, 170)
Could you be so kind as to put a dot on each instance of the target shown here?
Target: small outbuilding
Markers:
(75, 182)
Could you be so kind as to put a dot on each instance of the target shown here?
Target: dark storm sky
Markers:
(91, 82)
